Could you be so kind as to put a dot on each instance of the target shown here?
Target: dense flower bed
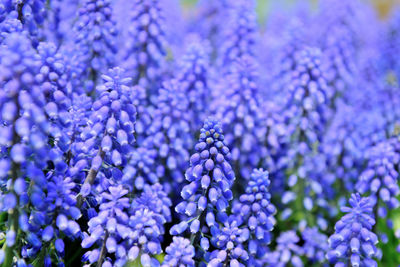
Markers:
(142, 133)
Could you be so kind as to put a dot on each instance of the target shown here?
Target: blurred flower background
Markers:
(263, 6)
(199, 133)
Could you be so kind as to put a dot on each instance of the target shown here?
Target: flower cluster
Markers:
(391, 44)
(169, 132)
(146, 45)
(142, 168)
(308, 100)
(193, 76)
(109, 135)
(228, 240)
(128, 229)
(207, 196)
(180, 253)
(40, 215)
(255, 211)
(239, 34)
(241, 114)
(287, 251)
(380, 177)
(353, 242)
(29, 14)
(95, 37)
(315, 245)
(108, 226)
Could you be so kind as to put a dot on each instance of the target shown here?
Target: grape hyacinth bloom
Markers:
(128, 229)
(207, 20)
(54, 74)
(306, 115)
(287, 252)
(240, 113)
(109, 228)
(391, 44)
(147, 231)
(95, 37)
(193, 76)
(149, 213)
(169, 132)
(343, 147)
(61, 15)
(155, 199)
(315, 245)
(58, 206)
(144, 119)
(381, 178)
(276, 144)
(25, 152)
(30, 13)
(22, 130)
(307, 98)
(9, 24)
(356, 17)
(239, 33)
(109, 136)
(142, 169)
(179, 253)
(207, 196)
(146, 44)
(347, 144)
(55, 82)
(228, 239)
(353, 242)
(339, 67)
(175, 25)
(104, 130)
(81, 105)
(284, 56)
(255, 211)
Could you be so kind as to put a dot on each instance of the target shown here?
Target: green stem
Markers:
(13, 213)
(13, 222)
(9, 249)
(3, 217)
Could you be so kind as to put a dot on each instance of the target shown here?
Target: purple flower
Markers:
(9, 25)
(169, 132)
(240, 112)
(315, 245)
(380, 177)
(255, 211)
(147, 230)
(142, 169)
(193, 76)
(286, 252)
(206, 21)
(353, 241)
(179, 253)
(391, 44)
(110, 226)
(207, 196)
(228, 239)
(146, 45)
(308, 97)
(95, 37)
(155, 199)
(109, 136)
(239, 33)
(30, 13)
